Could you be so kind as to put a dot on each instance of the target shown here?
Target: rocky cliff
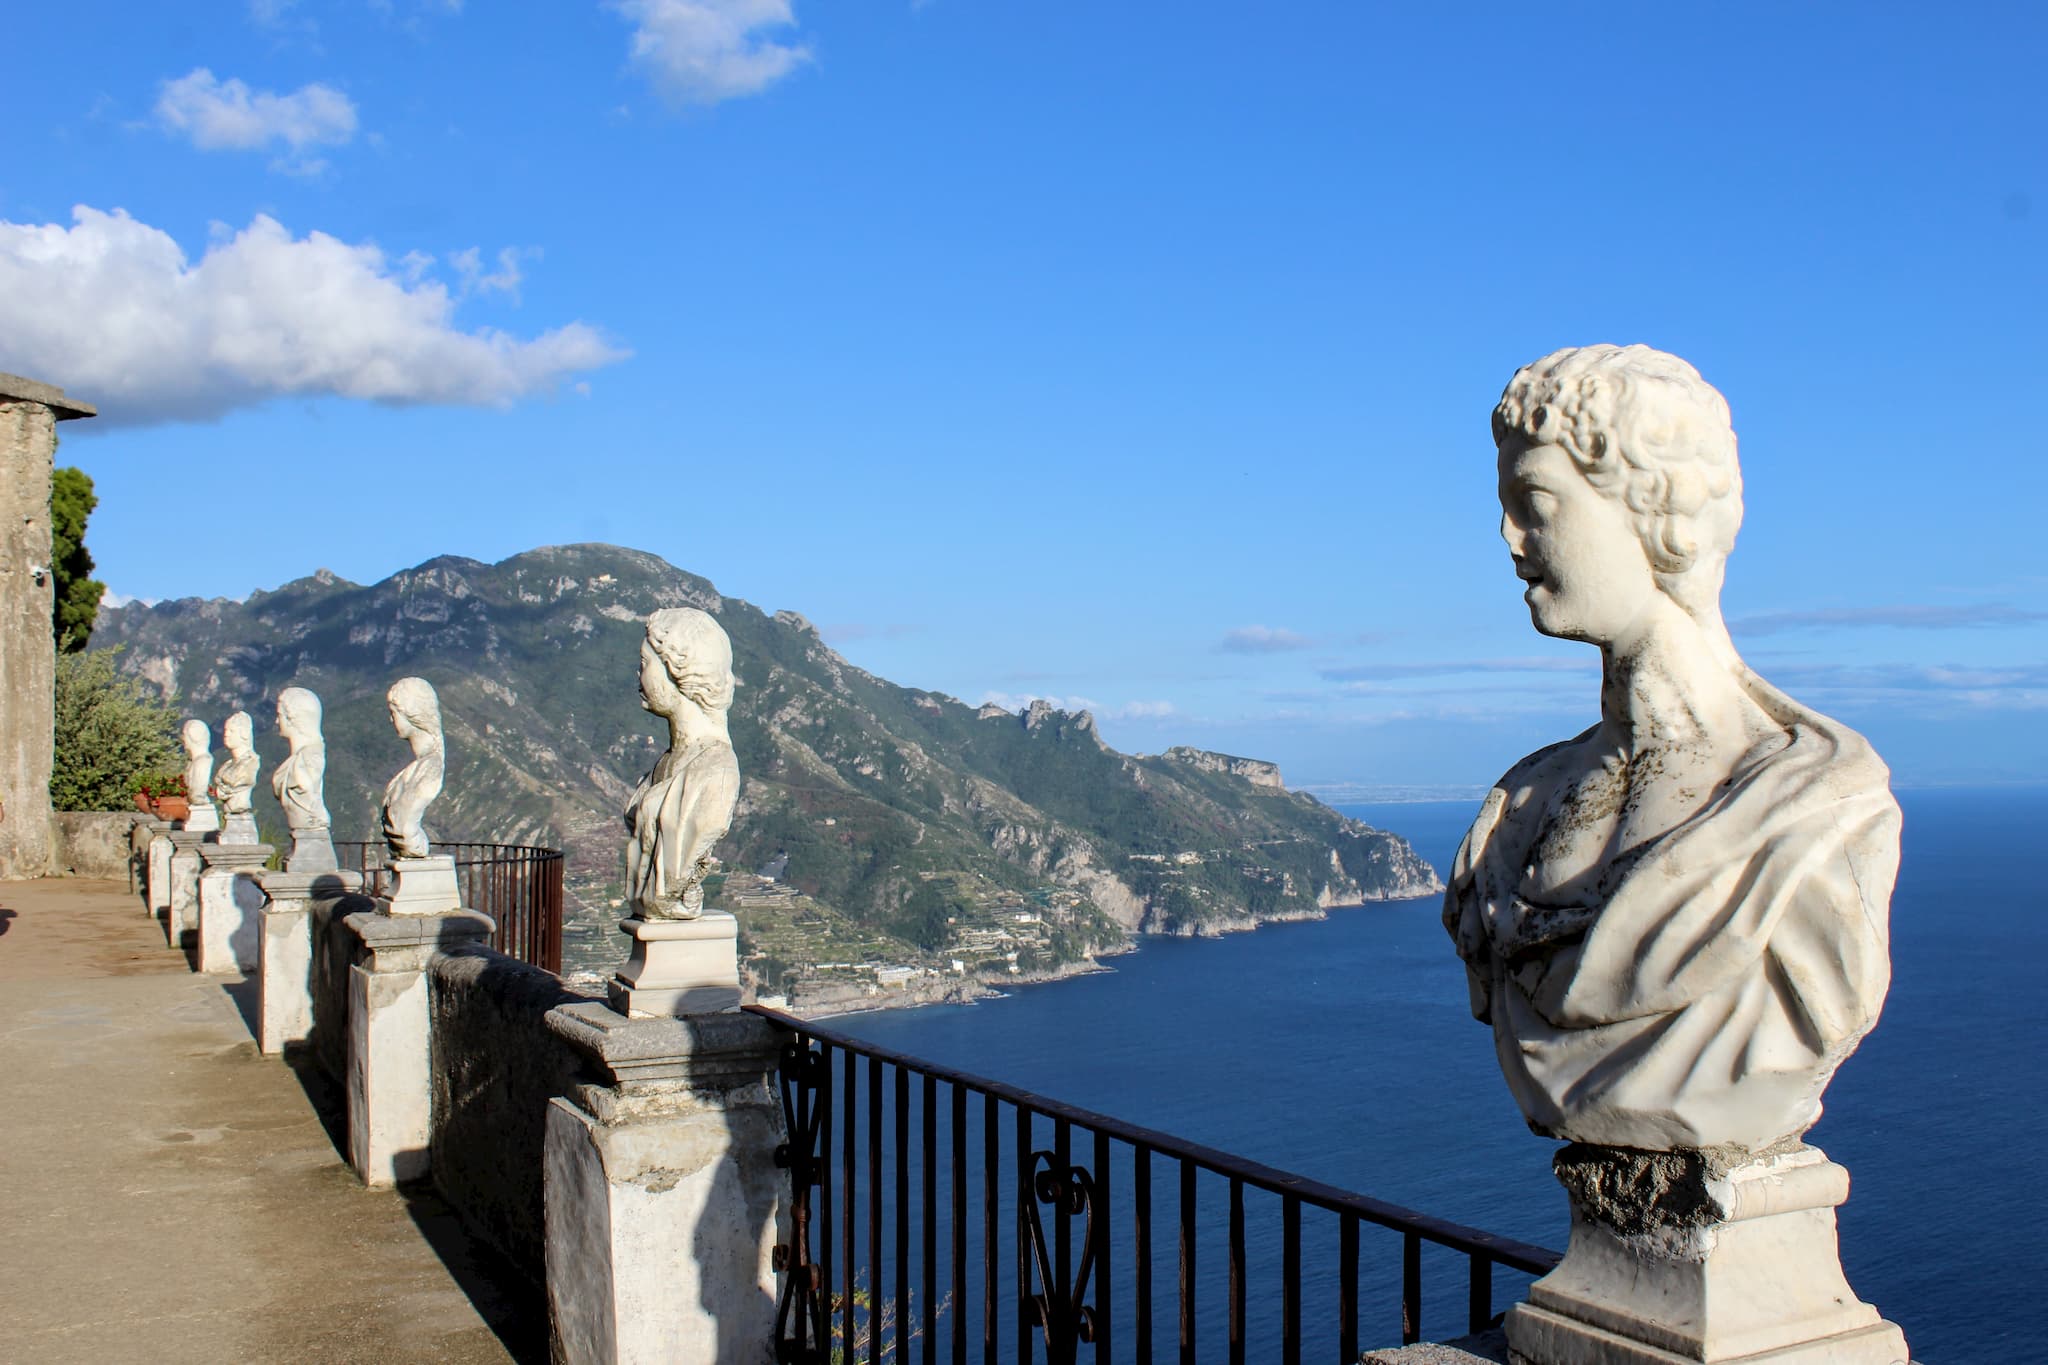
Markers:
(873, 791)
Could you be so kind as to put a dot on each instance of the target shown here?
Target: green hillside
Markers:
(919, 830)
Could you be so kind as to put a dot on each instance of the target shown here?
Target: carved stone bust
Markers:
(300, 782)
(416, 715)
(684, 806)
(235, 780)
(1676, 921)
(198, 742)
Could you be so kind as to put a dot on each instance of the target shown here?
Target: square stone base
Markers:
(679, 967)
(239, 829)
(203, 819)
(312, 851)
(1676, 1260)
(425, 886)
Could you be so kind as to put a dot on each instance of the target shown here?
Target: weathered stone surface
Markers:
(416, 715)
(1485, 1348)
(300, 782)
(424, 886)
(1676, 921)
(198, 741)
(230, 899)
(286, 970)
(28, 654)
(685, 803)
(496, 1066)
(236, 779)
(1700, 1256)
(390, 1080)
(95, 843)
(679, 966)
(663, 1196)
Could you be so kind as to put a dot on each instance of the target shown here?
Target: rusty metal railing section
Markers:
(1061, 1287)
(518, 885)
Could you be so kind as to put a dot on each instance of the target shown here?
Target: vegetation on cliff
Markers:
(914, 826)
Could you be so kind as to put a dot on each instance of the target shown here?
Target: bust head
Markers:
(686, 656)
(298, 714)
(239, 733)
(1646, 433)
(197, 739)
(415, 710)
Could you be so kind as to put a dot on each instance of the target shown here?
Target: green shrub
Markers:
(112, 736)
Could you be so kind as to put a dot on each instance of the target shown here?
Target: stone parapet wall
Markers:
(333, 952)
(496, 1065)
(95, 843)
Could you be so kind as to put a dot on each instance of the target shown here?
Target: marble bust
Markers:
(198, 742)
(1676, 922)
(685, 804)
(300, 782)
(235, 779)
(416, 715)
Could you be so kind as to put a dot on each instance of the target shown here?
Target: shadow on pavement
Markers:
(512, 1306)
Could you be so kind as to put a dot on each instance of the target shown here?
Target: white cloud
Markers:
(704, 51)
(113, 310)
(215, 114)
(1144, 710)
(1262, 640)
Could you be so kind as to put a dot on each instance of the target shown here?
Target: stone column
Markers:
(664, 1202)
(390, 1080)
(230, 897)
(29, 413)
(1680, 1257)
(156, 870)
(181, 909)
(284, 971)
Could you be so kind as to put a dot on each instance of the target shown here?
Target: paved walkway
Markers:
(168, 1195)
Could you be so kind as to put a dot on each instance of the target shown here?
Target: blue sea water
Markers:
(1344, 1050)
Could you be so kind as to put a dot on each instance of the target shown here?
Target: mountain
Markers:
(897, 826)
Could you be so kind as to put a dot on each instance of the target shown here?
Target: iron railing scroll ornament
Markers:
(1060, 1307)
(802, 1334)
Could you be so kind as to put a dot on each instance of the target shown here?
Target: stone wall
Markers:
(29, 413)
(333, 951)
(495, 1067)
(27, 436)
(95, 843)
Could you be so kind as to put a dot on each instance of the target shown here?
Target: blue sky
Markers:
(1137, 354)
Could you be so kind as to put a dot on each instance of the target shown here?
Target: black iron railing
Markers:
(1083, 1252)
(518, 885)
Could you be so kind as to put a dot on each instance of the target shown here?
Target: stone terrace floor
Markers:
(167, 1194)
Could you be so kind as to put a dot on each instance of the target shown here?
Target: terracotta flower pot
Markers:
(173, 808)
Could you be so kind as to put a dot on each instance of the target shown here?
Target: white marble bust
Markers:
(416, 715)
(684, 806)
(1676, 922)
(300, 782)
(235, 779)
(198, 742)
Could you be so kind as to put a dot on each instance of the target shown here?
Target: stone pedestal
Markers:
(663, 1197)
(284, 974)
(181, 907)
(204, 818)
(1678, 1259)
(312, 851)
(390, 1078)
(156, 882)
(679, 967)
(239, 829)
(424, 886)
(230, 898)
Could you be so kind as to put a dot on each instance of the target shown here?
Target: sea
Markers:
(1344, 1050)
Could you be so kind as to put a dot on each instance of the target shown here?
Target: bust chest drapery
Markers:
(1729, 968)
(677, 814)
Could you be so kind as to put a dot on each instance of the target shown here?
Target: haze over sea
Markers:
(1344, 1050)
